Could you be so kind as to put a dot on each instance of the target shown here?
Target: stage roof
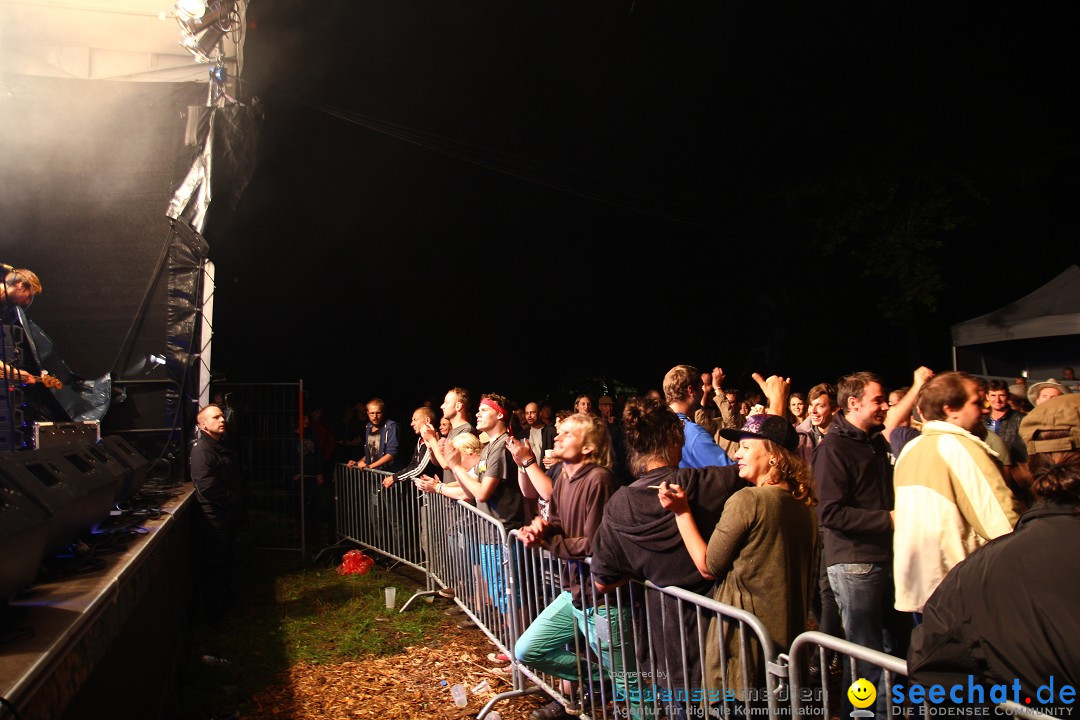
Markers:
(134, 40)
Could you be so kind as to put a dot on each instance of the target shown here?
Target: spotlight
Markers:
(210, 41)
(216, 16)
(211, 19)
(219, 75)
(189, 10)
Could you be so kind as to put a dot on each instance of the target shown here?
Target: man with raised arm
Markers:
(682, 392)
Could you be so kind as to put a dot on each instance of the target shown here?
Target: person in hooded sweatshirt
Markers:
(639, 538)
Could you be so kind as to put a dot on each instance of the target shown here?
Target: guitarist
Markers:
(17, 292)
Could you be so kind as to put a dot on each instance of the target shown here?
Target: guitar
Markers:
(13, 375)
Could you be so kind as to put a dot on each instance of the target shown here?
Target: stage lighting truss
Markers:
(204, 24)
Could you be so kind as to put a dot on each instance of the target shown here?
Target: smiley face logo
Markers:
(862, 693)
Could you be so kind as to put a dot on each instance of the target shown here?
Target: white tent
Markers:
(1040, 331)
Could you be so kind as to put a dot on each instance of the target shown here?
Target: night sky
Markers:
(530, 197)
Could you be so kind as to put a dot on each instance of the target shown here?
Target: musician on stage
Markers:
(20, 288)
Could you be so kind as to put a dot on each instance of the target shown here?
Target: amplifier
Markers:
(51, 434)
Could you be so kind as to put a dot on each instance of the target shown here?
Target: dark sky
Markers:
(523, 197)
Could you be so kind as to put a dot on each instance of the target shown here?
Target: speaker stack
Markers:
(136, 466)
(77, 497)
(24, 530)
(50, 496)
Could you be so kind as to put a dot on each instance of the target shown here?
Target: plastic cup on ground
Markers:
(480, 687)
(458, 691)
(391, 597)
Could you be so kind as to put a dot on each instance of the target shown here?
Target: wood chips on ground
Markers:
(406, 685)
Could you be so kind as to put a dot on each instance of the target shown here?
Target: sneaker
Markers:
(836, 666)
(498, 657)
(446, 592)
(554, 710)
(466, 624)
(503, 670)
(453, 611)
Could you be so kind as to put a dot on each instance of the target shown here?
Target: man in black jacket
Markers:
(853, 468)
(221, 510)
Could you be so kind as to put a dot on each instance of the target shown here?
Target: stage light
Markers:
(210, 41)
(219, 75)
(219, 15)
(188, 10)
(211, 19)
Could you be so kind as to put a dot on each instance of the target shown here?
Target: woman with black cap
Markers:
(762, 550)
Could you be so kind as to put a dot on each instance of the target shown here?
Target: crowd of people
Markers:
(848, 508)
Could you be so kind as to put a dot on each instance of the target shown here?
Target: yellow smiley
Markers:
(862, 693)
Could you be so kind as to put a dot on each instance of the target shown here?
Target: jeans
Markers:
(492, 559)
(547, 645)
(863, 592)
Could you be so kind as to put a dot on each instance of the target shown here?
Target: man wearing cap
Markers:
(1040, 392)
(1007, 614)
(950, 496)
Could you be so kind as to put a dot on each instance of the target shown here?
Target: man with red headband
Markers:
(495, 489)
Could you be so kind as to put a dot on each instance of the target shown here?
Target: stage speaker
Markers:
(121, 472)
(55, 489)
(102, 478)
(24, 532)
(122, 451)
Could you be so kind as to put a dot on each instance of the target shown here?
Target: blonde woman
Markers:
(762, 550)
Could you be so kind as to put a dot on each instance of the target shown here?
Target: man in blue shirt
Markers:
(682, 392)
(380, 439)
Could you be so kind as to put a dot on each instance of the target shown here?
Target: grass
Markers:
(289, 613)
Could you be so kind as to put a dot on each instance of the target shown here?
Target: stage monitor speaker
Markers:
(102, 479)
(110, 464)
(24, 532)
(128, 456)
(53, 489)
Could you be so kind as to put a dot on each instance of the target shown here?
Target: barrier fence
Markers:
(640, 651)
(263, 421)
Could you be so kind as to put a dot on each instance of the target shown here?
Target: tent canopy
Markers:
(1052, 310)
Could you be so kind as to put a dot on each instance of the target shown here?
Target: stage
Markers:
(106, 642)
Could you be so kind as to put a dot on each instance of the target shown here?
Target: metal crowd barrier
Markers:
(467, 554)
(642, 652)
(386, 520)
(642, 648)
(817, 698)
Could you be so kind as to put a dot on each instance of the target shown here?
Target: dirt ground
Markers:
(408, 685)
